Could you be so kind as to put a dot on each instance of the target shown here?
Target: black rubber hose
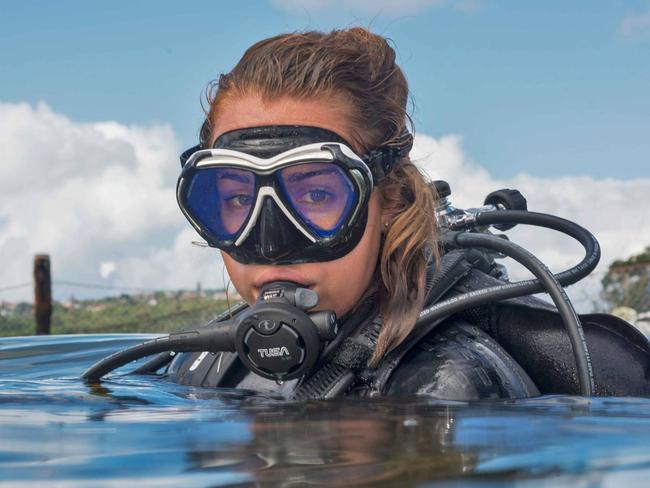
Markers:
(582, 235)
(218, 337)
(546, 280)
(166, 357)
(556, 292)
(120, 358)
(154, 364)
(529, 287)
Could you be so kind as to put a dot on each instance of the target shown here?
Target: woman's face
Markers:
(339, 283)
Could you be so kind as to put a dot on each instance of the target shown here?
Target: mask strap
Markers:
(381, 161)
(187, 154)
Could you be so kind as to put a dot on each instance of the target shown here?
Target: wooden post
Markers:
(42, 293)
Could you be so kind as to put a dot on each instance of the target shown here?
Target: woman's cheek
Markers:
(240, 276)
(345, 280)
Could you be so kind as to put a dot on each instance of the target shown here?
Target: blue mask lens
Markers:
(320, 193)
(221, 199)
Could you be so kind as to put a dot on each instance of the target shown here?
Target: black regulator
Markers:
(277, 338)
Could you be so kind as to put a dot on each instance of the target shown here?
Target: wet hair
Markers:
(360, 67)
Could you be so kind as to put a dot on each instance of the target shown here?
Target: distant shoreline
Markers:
(142, 312)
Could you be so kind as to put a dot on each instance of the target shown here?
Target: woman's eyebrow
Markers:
(303, 175)
(228, 175)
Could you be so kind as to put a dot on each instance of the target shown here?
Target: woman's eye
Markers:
(317, 196)
(239, 201)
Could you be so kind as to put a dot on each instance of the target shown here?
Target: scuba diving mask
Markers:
(282, 194)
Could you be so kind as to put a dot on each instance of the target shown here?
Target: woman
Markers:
(360, 233)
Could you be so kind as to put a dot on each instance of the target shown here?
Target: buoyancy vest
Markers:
(531, 331)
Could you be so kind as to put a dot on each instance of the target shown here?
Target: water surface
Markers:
(145, 431)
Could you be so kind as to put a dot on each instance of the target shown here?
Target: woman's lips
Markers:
(281, 275)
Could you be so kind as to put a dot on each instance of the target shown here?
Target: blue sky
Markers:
(550, 88)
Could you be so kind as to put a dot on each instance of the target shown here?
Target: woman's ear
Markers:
(386, 221)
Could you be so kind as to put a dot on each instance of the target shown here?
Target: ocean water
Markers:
(146, 431)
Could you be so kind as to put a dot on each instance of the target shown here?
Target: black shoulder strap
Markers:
(453, 267)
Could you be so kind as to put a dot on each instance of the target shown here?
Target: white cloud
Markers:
(99, 198)
(636, 26)
(376, 6)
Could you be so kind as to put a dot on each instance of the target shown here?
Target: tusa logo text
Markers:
(274, 352)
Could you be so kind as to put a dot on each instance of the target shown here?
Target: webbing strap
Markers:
(328, 382)
(338, 374)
